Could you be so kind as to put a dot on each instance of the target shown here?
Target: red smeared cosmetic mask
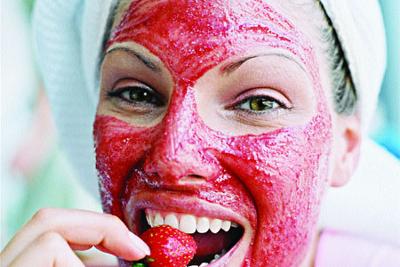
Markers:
(275, 180)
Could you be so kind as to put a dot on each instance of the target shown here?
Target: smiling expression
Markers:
(215, 109)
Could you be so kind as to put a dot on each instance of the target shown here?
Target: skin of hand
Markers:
(52, 235)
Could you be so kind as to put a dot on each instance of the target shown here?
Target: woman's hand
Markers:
(50, 237)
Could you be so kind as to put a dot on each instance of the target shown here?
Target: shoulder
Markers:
(343, 249)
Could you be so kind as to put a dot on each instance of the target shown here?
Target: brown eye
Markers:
(138, 94)
(259, 104)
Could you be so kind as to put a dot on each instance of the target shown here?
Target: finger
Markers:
(79, 227)
(57, 253)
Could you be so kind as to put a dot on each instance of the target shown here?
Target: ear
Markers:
(347, 142)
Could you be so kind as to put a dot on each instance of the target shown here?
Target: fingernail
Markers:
(139, 243)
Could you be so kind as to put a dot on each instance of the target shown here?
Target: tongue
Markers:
(210, 244)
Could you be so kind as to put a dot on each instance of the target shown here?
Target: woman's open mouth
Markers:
(222, 236)
(214, 237)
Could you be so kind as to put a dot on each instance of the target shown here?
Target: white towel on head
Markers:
(69, 36)
(360, 29)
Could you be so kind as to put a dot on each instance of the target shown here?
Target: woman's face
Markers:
(214, 117)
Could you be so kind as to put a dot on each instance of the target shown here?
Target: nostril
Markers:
(192, 179)
(195, 176)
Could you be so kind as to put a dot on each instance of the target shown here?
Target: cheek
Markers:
(286, 174)
(118, 147)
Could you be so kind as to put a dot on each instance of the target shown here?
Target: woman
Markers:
(227, 119)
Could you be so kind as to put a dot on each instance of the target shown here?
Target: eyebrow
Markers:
(231, 67)
(142, 58)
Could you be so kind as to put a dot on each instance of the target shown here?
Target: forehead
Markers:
(191, 37)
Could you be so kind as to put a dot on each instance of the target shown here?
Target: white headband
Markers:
(69, 38)
(361, 32)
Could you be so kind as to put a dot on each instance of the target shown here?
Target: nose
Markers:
(178, 156)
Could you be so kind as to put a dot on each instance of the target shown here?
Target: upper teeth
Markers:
(188, 223)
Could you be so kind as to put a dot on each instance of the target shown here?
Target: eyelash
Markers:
(150, 97)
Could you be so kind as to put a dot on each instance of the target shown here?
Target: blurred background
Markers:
(34, 171)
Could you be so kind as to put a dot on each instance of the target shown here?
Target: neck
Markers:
(309, 260)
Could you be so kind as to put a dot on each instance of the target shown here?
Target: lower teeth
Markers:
(216, 257)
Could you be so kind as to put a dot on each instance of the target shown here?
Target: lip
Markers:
(175, 202)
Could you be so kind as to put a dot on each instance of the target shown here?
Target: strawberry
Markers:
(169, 247)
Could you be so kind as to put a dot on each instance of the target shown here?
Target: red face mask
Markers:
(274, 180)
